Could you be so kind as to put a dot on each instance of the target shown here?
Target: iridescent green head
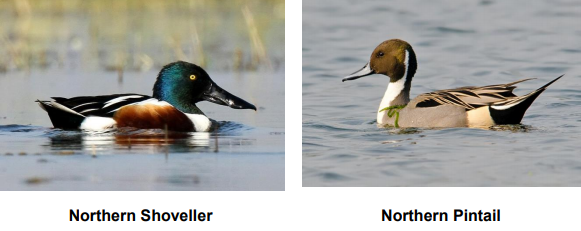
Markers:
(183, 84)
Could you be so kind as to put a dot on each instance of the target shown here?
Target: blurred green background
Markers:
(136, 35)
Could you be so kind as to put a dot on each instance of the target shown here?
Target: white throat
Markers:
(393, 90)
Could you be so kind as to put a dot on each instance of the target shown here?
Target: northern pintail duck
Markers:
(179, 86)
(461, 107)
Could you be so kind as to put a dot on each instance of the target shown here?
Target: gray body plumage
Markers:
(439, 116)
(460, 107)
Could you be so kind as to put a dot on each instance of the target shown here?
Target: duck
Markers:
(177, 89)
(479, 107)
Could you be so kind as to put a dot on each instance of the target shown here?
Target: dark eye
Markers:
(380, 54)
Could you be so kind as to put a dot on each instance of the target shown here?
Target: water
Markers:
(246, 153)
(77, 48)
(458, 43)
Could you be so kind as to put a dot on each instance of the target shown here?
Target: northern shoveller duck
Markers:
(461, 107)
(179, 86)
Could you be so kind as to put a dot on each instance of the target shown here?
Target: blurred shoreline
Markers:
(137, 35)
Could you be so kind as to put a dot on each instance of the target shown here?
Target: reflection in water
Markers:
(124, 140)
(516, 128)
(232, 158)
(196, 139)
(152, 140)
(148, 139)
(75, 48)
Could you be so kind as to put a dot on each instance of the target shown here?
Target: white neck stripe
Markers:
(406, 63)
(393, 90)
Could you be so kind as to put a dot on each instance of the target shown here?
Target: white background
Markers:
(297, 207)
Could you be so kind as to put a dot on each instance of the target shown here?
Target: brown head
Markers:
(394, 58)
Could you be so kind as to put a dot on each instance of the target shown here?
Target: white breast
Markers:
(201, 122)
(393, 90)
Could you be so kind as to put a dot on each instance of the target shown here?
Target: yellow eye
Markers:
(193, 77)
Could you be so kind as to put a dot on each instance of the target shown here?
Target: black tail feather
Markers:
(505, 114)
(60, 118)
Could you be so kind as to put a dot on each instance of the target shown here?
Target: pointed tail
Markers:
(61, 116)
(512, 111)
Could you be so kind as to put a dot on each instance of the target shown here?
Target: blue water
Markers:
(81, 48)
(245, 153)
(457, 43)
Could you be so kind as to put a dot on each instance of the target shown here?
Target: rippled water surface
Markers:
(458, 43)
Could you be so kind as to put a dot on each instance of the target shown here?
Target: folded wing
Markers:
(104, 106)
(470, 97)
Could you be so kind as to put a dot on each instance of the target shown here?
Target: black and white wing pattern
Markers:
(103, 105)
(469, 97)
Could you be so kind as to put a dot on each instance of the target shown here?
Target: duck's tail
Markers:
(512, 111)
(61, 116)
